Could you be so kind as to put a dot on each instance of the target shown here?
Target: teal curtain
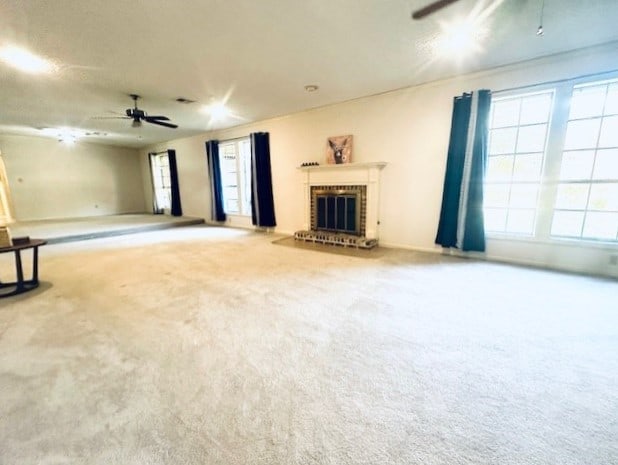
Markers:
(447, 227)
(217, 211)
(461, 221)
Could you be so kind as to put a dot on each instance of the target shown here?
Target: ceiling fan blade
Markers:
(160, 123)
(164, 118)
(431, 8)
(110, 117)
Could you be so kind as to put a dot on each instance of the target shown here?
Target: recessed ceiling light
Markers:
(465, 36)
(25, 61)
(461, 39)
(66, 135)
(311, 87)
(217, 110)
(95, 134)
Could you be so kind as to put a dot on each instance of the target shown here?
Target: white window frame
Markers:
(161, 179)
(591, 181)
(238, 178)
(528, 93)
(550, 178)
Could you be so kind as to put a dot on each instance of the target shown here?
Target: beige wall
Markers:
(192, 175)
(408, 129)
(49, 179)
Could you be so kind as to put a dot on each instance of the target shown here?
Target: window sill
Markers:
(561, 242)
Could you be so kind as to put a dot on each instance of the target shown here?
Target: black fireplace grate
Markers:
(336, 209)
(337, 213)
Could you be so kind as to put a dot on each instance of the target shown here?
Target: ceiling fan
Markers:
(431, 8)
(138, 116)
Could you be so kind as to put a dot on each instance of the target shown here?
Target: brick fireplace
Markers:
(341, 204)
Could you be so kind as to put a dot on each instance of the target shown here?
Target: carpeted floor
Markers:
(204, 345)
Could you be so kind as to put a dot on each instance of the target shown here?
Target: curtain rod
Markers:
(558, 81)
(222, 140)
(232, 139)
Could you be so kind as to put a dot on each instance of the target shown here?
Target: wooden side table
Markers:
(21, 285)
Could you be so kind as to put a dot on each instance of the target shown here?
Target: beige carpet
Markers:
(204, 345)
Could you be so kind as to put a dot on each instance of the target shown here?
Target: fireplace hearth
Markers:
(345, 240)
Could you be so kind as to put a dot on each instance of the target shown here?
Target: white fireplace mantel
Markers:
(367, 174)
(345, 166)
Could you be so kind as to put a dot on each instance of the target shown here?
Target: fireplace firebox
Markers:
(337, 213)
(339, 209)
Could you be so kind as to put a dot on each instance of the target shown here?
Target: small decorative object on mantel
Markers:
(309, 163)
(339, 150)
(5, 237)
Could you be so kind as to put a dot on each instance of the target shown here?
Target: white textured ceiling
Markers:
(260, 53)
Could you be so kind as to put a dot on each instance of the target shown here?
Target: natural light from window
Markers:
(517, 143)
(235, 162)
(162, 181)
(552, 168)
(587, 194)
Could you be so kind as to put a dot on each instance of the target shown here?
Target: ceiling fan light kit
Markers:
(138, 116)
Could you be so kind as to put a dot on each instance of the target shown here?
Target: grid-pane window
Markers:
(162, 181)
(229, 177)
(518, 132)
(235, 160)
(586, 204)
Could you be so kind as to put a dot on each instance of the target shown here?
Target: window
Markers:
(235, 161)
(162, 181)
(586, 204)
(518, 131)
(552, 169)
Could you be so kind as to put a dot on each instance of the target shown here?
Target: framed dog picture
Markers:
(339, 150)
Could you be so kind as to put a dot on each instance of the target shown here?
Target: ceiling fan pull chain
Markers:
(539, 31)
